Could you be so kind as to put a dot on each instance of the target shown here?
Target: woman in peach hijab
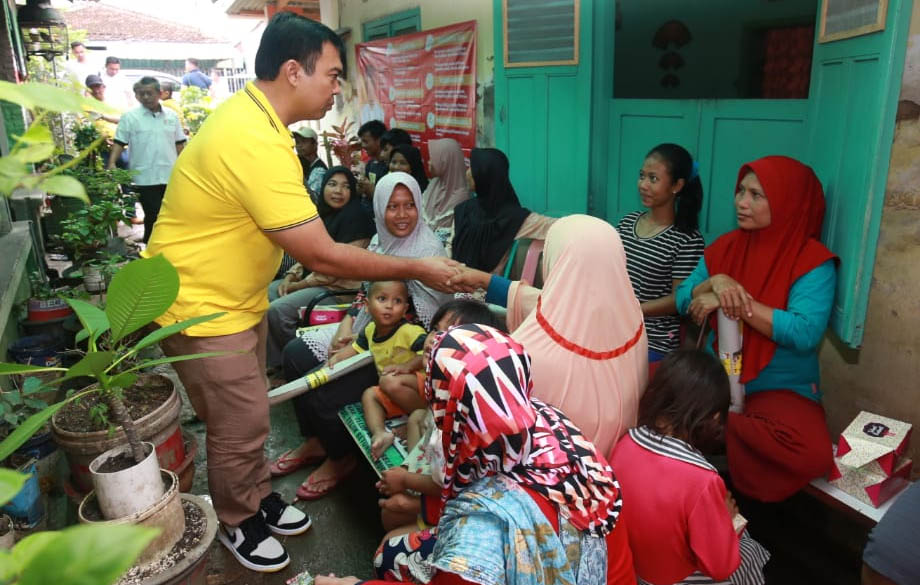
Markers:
(584, 329)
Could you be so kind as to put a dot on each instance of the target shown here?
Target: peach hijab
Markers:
(584, 330)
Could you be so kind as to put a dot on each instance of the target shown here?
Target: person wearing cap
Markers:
(105, 124)
(305, 142)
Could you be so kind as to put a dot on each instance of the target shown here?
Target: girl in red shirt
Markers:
(681, 520)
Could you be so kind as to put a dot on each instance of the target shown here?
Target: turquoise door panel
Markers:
(566, 177)
(543, 123)
(855, 88)
(526, 118)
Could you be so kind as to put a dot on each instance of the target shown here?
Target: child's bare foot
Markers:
(379, 443)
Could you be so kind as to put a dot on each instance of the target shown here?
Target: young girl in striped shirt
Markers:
(663, 244)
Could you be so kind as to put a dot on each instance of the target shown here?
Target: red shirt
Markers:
(676, 516)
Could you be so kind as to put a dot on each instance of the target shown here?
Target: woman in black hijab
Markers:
(348, 222)
(485, 226)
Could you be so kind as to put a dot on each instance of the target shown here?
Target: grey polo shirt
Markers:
(151, 138)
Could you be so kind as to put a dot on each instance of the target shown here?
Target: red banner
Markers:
(424, 83)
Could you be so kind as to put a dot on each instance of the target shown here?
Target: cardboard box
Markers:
(869, 486)
(874, 442)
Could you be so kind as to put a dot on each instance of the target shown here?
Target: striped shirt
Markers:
(653, 264)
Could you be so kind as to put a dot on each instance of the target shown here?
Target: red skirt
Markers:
(777, 445)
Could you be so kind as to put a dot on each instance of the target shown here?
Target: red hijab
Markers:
(767, 261)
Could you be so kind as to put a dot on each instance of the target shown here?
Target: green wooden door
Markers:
(855, 87)
(543, 113)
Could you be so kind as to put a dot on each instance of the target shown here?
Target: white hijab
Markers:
(421, 243)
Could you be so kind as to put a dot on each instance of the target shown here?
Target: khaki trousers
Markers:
(229, 393)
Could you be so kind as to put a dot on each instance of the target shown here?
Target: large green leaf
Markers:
(123, 380)
(179, 358)
(65, 185)
(87, 555)
(48, 97)
(12, 168)
(7, 369)
(11, 482)
(140, 292)
(93, 364)
(164, 332)
(92, 317)
(26, 549)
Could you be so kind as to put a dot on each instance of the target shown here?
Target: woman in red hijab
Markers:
(774, 275)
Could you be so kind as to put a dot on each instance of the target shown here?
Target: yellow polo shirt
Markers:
(237, 179)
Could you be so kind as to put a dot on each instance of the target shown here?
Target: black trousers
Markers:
(318, 410)
(151, 198)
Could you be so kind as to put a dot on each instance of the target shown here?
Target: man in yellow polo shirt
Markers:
(234, 201)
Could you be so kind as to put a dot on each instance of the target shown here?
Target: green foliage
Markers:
(196, 107)
(21, 402)
(87, 230)
(37, 143)
(79, 555)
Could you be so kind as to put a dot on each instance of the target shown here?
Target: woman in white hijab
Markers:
(405, 236)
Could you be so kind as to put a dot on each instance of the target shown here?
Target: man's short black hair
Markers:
(76, 44)
(147, 81)
(375, 127)
(290, 36)
(110, 60)
(193, 61)
(395, 137)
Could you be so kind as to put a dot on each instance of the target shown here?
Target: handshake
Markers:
(450, 276)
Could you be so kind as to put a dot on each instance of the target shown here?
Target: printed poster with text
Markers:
(424, 83)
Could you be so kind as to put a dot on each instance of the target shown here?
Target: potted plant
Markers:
(140, 292)
(341, 144)
(88, 231)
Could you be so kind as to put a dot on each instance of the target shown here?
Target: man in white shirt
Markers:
(119, 92)
(155, 138)
(81, 65)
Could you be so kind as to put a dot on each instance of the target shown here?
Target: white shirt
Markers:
(151, 139)
(79, 71)
(118, 92)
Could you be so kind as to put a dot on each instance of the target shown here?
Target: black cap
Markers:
(92, 80)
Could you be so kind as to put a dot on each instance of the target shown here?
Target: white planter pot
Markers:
(93, 280)
(131, 490)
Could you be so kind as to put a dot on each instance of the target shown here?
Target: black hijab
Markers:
(485, 226)
(416, 166)
(352, 221)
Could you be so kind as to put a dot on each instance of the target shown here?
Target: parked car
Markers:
(134, 75)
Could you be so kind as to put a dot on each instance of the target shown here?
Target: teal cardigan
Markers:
(797, 330)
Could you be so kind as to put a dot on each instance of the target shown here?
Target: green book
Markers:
(352, 416)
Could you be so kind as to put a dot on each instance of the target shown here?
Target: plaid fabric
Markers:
(479, 388)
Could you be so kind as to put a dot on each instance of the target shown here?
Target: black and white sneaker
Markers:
(283, 518)
(254, 546)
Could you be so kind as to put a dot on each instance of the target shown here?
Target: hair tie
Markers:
(694, 171)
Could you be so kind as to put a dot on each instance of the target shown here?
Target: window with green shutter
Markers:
(392, 25)
(540, 32)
